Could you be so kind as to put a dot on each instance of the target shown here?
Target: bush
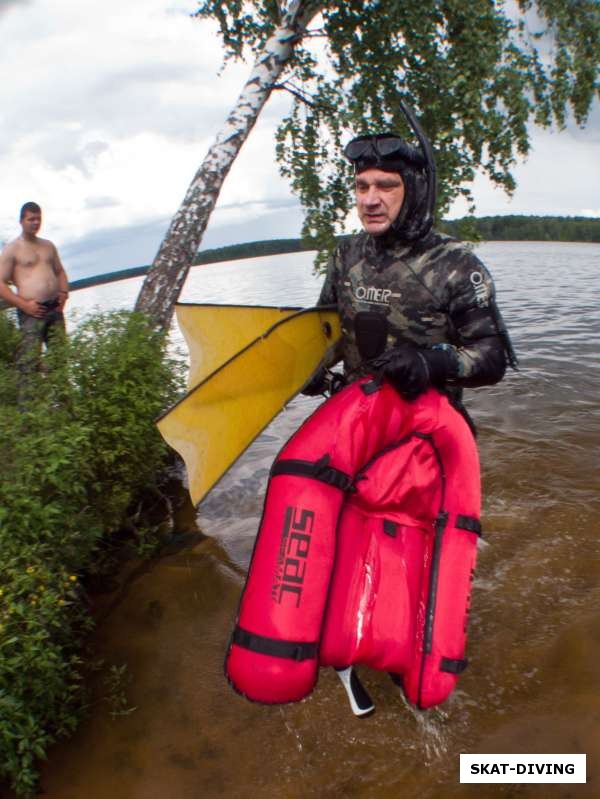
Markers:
(74, 459)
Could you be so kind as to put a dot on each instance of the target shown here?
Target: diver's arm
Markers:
(323, 381)
(477, 352)
(328, 295)
(481, 350)
(481, 362)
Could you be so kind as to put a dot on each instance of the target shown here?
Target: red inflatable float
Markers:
(366, 549)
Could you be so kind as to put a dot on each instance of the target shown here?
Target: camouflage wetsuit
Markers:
(433, 291)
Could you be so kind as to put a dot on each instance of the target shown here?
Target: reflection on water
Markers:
(533, 683)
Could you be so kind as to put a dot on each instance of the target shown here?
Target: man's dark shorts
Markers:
(39, 328)
(36, 331)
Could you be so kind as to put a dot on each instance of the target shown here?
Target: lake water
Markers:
(533, 684)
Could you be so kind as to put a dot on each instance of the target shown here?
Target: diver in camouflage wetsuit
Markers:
(415, 305)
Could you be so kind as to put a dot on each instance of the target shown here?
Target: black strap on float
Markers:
(457, 404)
(469, 523)
(453, 666)
(440, 526)
(317, 470)
(292, 650)
(372, 385)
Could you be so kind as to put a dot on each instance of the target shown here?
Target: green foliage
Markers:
(465, 229)
(74, 457)
(476, 76)
(242, 24)
(116, 682)
(9, 337)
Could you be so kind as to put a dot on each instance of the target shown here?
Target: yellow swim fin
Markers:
(215, 333)
(220, 417)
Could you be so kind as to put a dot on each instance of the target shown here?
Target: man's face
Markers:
(379, 198)
(31, 223)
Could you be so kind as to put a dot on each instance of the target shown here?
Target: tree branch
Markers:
(301, 95)
(296, 92)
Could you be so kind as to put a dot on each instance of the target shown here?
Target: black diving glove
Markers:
(411, 370)
(324, 382)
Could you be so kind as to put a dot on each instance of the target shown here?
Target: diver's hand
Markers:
(323, 382)
(412, 370)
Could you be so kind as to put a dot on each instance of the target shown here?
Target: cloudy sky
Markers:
(108, 108)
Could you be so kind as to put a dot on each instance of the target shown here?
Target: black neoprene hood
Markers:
(391, 153)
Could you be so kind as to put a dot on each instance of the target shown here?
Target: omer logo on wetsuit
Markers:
(425, 294)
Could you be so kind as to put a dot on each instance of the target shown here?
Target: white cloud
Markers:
(97, 90)
(109, 108)
(109, 111)
(560, 177)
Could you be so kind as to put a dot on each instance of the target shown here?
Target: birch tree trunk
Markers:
(166, 276)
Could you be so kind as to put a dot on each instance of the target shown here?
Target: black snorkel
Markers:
(430, 172)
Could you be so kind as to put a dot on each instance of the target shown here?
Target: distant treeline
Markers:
(253, 249)
(485, 228)
(233, 252)
(524, 228)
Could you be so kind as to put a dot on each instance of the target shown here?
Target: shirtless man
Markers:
(34, 267)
